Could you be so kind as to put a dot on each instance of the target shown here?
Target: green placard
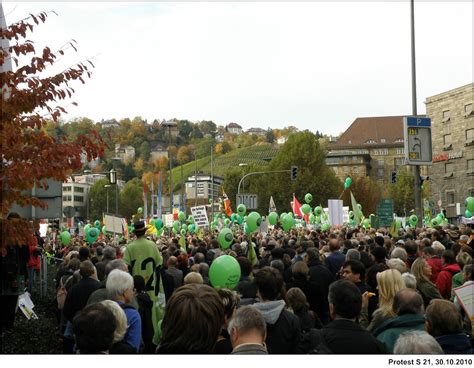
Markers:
(385, 212)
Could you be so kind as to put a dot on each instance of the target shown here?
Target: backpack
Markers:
(61, 293)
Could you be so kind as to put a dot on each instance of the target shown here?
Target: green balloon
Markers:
(181, 216)
(308, 198)
(470, 204)
(440, 216)
(306, 208)
(183, 232)
(435, 222)
(176, 225)
(159, 224)
(287, 222)
(240, 219)
(190, 220)
(291, 214)
(233, 217)
(468, 214)
(241, 209)
(253, 221)
(97, 223)
(413, 220)
(224, 272)
(140, 210)
(65, 237)
(366, 223)
(347, 183)
(273, 218)
(225, 238)
(227, 221)
(92, 235)
(104, 231)
(86, 228)
(351, 215)
(312, 218)
(318, 210)
(325, 227)
(184, 227)
(192, 228)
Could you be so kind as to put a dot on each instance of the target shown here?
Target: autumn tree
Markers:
(131, 197)
(184, 155)
(32, 96)
(367, 192)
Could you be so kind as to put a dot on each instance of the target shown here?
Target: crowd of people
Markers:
(343, 291)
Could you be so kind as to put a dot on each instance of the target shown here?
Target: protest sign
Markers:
(200, 216)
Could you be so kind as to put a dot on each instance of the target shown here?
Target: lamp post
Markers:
(107, 186)
(170, 124)
(243, 165)
(195, 179)
(113, 180)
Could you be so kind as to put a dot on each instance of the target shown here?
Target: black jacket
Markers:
(320, 278)
(347, 337)
(246, 288)
(145, 306)
(77, 296)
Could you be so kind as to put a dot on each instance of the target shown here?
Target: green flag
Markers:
(251, 253)
(182, 243)
(356, 210)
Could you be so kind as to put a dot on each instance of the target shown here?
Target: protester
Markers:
(416, 342)
(444, 279)
(283, 328)
(344, 335)
(230, 300)
(193, 319)
(119, 346)
(90, 339)
(354, 271)
(408, 307)
(247, 332)
(422, 272)
(121, 289)
(444, 323)
(145, 309)
(298, 304)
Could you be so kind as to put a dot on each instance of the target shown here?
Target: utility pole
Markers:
(417, 181)
(212, 181)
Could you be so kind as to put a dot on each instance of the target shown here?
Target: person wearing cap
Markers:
(144, 259)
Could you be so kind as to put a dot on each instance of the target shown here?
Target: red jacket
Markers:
(443, 282)
(436, 268)
(33, 261)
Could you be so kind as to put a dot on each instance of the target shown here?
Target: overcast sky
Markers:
(314, 65)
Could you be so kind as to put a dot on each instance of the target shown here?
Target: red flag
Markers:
(228, 210)
(296, 206)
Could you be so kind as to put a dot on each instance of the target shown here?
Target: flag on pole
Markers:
(152, 212)
(296, 207)
(272, 207)
(158, 204)
(228, 210)
(145, 202)
(356, 210)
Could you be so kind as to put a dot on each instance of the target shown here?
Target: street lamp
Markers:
(107, 186)
(243, 165)
(170, 124)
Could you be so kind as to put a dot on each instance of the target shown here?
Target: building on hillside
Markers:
(171, 127)
(234, 128)
(201, 187)
(452, 172)
(125, 153)
(371, 146)
(112, 123)
(220, 138)
(282, 140)
(257, 131)
(158, 151)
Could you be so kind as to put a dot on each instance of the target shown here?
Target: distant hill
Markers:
(260, 154)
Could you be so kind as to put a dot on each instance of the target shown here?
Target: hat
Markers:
(400, 241)
(139, 227)
(453, 234)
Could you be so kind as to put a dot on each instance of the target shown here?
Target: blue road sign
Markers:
(414, 121)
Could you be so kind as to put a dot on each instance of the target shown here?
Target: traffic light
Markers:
(294, 172)
(394, 177)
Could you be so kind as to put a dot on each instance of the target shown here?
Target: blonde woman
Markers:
(118, 345)
(422, 272)
(389, 283)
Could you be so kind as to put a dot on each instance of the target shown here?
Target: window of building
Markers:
(399, 162)
(399, 140)
(468, 109)
(450, 197)
(470, 167)
(370, 141)
(380, 172)
(78, 198)
(380, 162)
(383, 140)
(66, 189)
(355, 170)
(447, 139)
(66, 198)
(349, 142)
(79, 189)
(469, 135)
(446, 115)
(448, 167)
(400, 151)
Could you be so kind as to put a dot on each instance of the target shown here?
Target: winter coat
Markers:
(283, 327)
(391, 329)
(34, 258)
(77, 296)
(246, 288)
(436, 266)
(320, 278)
(457, 281)
(145, 306)
(443, 282)
(455, 344)
(428, 291)
(334, 262)
(343, 336)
